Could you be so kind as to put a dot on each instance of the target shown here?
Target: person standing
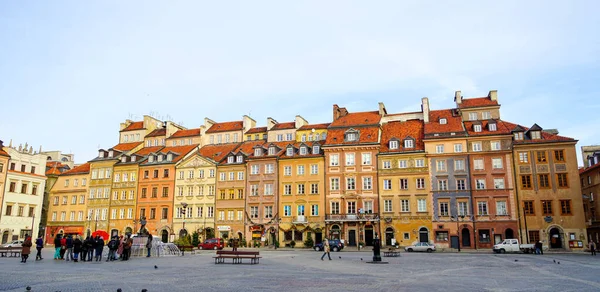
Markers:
(77, 244)
(57, 247)
(236, 244)
(326, 249)
(69, 244)
(39, 244)
(113, 244)
(63, 247)
(84, 249)
(120, 248)
(593, 247)
(26, 248)
(149, 244)
(99, 246)
(127, 247)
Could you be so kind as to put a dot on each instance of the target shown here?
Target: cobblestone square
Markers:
(302, 270)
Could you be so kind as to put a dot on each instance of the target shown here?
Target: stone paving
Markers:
(302, 270)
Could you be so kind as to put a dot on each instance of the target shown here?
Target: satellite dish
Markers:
(313, 130)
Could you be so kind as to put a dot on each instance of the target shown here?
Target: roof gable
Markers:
(226, 127)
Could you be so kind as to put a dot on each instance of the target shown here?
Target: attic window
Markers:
(257, 152)
(169, 157)
(477, 128)
(536, 135)
(133, 158)
(518, 136)
(443, 121)
(239, 159)
(303, 150)
(160, 157)
(409, 143)
(230, 159)
(123, 159)
(272, 150)
(100, 154)
(111, 153)
(316, 149)
(289, 151)
(393, 144)
(151, 158)
(323, 136)
(352, 136)
(492, 127)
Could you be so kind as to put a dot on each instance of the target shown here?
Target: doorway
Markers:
(4, 237)
(369, 236)
(335, 232)
(509, 233)
(555, 238)
(454, 241)
(351, 237)
(164, 236)
(497, 238)
(114, 232)
(389, 235)
(466, 237)
(423, 235)
(318, 236)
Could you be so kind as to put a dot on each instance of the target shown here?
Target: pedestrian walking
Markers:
(77, 245)
(99, 246)
(39, 244)
(541, 247)
(26, 248)
(593, 247)
(149, 244)
(326, 249)
(69, 244)
(57, 247)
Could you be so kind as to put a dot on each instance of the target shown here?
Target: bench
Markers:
(236, 256)
(391, 253)
(183, 248)
(12, 251)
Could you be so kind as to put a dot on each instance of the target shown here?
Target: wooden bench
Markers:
(391, 253)
(183, 248)
(236, 256)
(12, 251)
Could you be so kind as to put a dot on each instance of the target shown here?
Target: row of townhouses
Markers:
(453, 177)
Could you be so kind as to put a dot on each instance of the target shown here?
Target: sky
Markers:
(72, 71)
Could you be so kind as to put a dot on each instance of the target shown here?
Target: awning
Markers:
(73, 229)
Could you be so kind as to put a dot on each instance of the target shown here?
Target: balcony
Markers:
(300, 220)
(352, 217)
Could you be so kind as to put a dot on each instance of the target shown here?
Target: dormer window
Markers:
(257, 152)
(160, 157)
(170, 157)
(230, 159)
(151, 158)
(303, 150)
(409, 143)
(536, 135)
(477, 128)
(272, 150)
(518, 136)
(100, 154)
(239, 159)
(123, 158)
(316, 149)
(351, 136)
(443, 121)
(393, 144)
(289, 151)
(492, 127)
(133, 158)
(323, 136)
(111, 153)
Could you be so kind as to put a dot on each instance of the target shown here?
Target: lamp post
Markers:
(457, 229)
(184, 205)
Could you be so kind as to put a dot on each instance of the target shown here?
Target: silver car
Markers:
(421, 246)
(15, 243)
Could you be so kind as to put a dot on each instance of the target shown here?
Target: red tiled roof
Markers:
(3, 153)
(546, 137)
(81, 169)
(52, 171)
(186, 133)
(402, 130)
(218, 151)
(147, 150)
(157, 133)
(226, 127)
(181, 151)
(284, 126)
(477, 102)
(453, 123)
(126, 146)
(54, 164)
(501, 128)
(257, 130)
(315, 126)
(55, 168)
(248, 146)
(283, 153)
(357, 119)
(134, 126)
(366, 135)
(265, 145)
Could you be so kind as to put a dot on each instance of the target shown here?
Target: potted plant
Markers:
(292, 243)
(360, 245)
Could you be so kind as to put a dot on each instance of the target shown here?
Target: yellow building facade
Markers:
(124, 195)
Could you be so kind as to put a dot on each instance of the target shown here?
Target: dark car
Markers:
(212, 243)
(334, 245)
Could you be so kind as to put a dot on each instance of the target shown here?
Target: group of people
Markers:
(91, 248)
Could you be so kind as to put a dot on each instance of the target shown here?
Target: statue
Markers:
(376, 249)
(143, 226)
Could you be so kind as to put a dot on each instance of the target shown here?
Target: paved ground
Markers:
(299, 270)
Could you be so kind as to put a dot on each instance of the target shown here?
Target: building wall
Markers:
(272, 135)
(163, 187)
(227, 227)
(123, 199)
(261, 200)
(100, 184)
(309, 135)
(67, 198)
(590, 188)
(223, 137)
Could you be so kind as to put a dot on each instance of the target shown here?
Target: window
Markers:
(287, 210)
(495, 145)
(523, 157)
(562, 180)
(74, 200)
(547, 208)
(351, 136)
(402, 163)
(408, 143)
(24, 188)
(477, 128)
(165, 192)
(211, 173)
(144, 190)
(404, 206)
(9, 211)
(366, 159)
(463, 208)
(441, 165)
(528, 208)
(541, 156)
(421, 205)
(536, 135)
(458, 148)
(443, 208)
(156, 173)
(287, 170)
(253, 190)
(34, 190)
(64, 200)
(335, 184)
(420, 183)
(334, 160)
(393, 144)
(419, 163)
(497, 163)
(476, 146)
(482, 208)
(565, 207)
(461, 184)
(289, 137)
(349, 159)
(314, 188)
(289, 151)
(165, 173)
(472, 116)
(403, 184)
(492, 127)
(314, 210)
(63, 216)
(316, 149)
(165, 213)
(300, 170)
(314, 169)
(442, 185)
(84, 182)
(387, 184)
(387, 206)
(501, 208)
(439, 148)
(459, 165)
(478, 164)
(268, 211)
(300, 189)
(480, 184)
(239, 159)
(254, 169)
(387, 164)
(484, 235)
(498, 183)
(81, 199)
(253, 211)
(303, 150)
(240, 175)
(268, 189)
(350, 183)
(441, 236)
(544, 182)
(351, 207)
(269, 168)
(559, 155)
(367, 183)
(154, 192)
(230, 158)
(335, 207)
(526, 181)
(443, 121)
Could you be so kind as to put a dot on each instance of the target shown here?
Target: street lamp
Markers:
(462, 217)
(183, 213)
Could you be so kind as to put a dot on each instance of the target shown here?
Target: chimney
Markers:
(271, 122)
(208, 123)
(1, 144)
(248, 123)
(425, 109)
(458, 97)
(300, 121)
(382, 110)
(336, 112)
(493, 95)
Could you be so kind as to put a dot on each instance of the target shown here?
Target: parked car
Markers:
(14, 243)
(212, 243)
(334, 245)
(420, 246)
(512, 245)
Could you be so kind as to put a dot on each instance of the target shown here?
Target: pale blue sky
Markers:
(71, 71)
